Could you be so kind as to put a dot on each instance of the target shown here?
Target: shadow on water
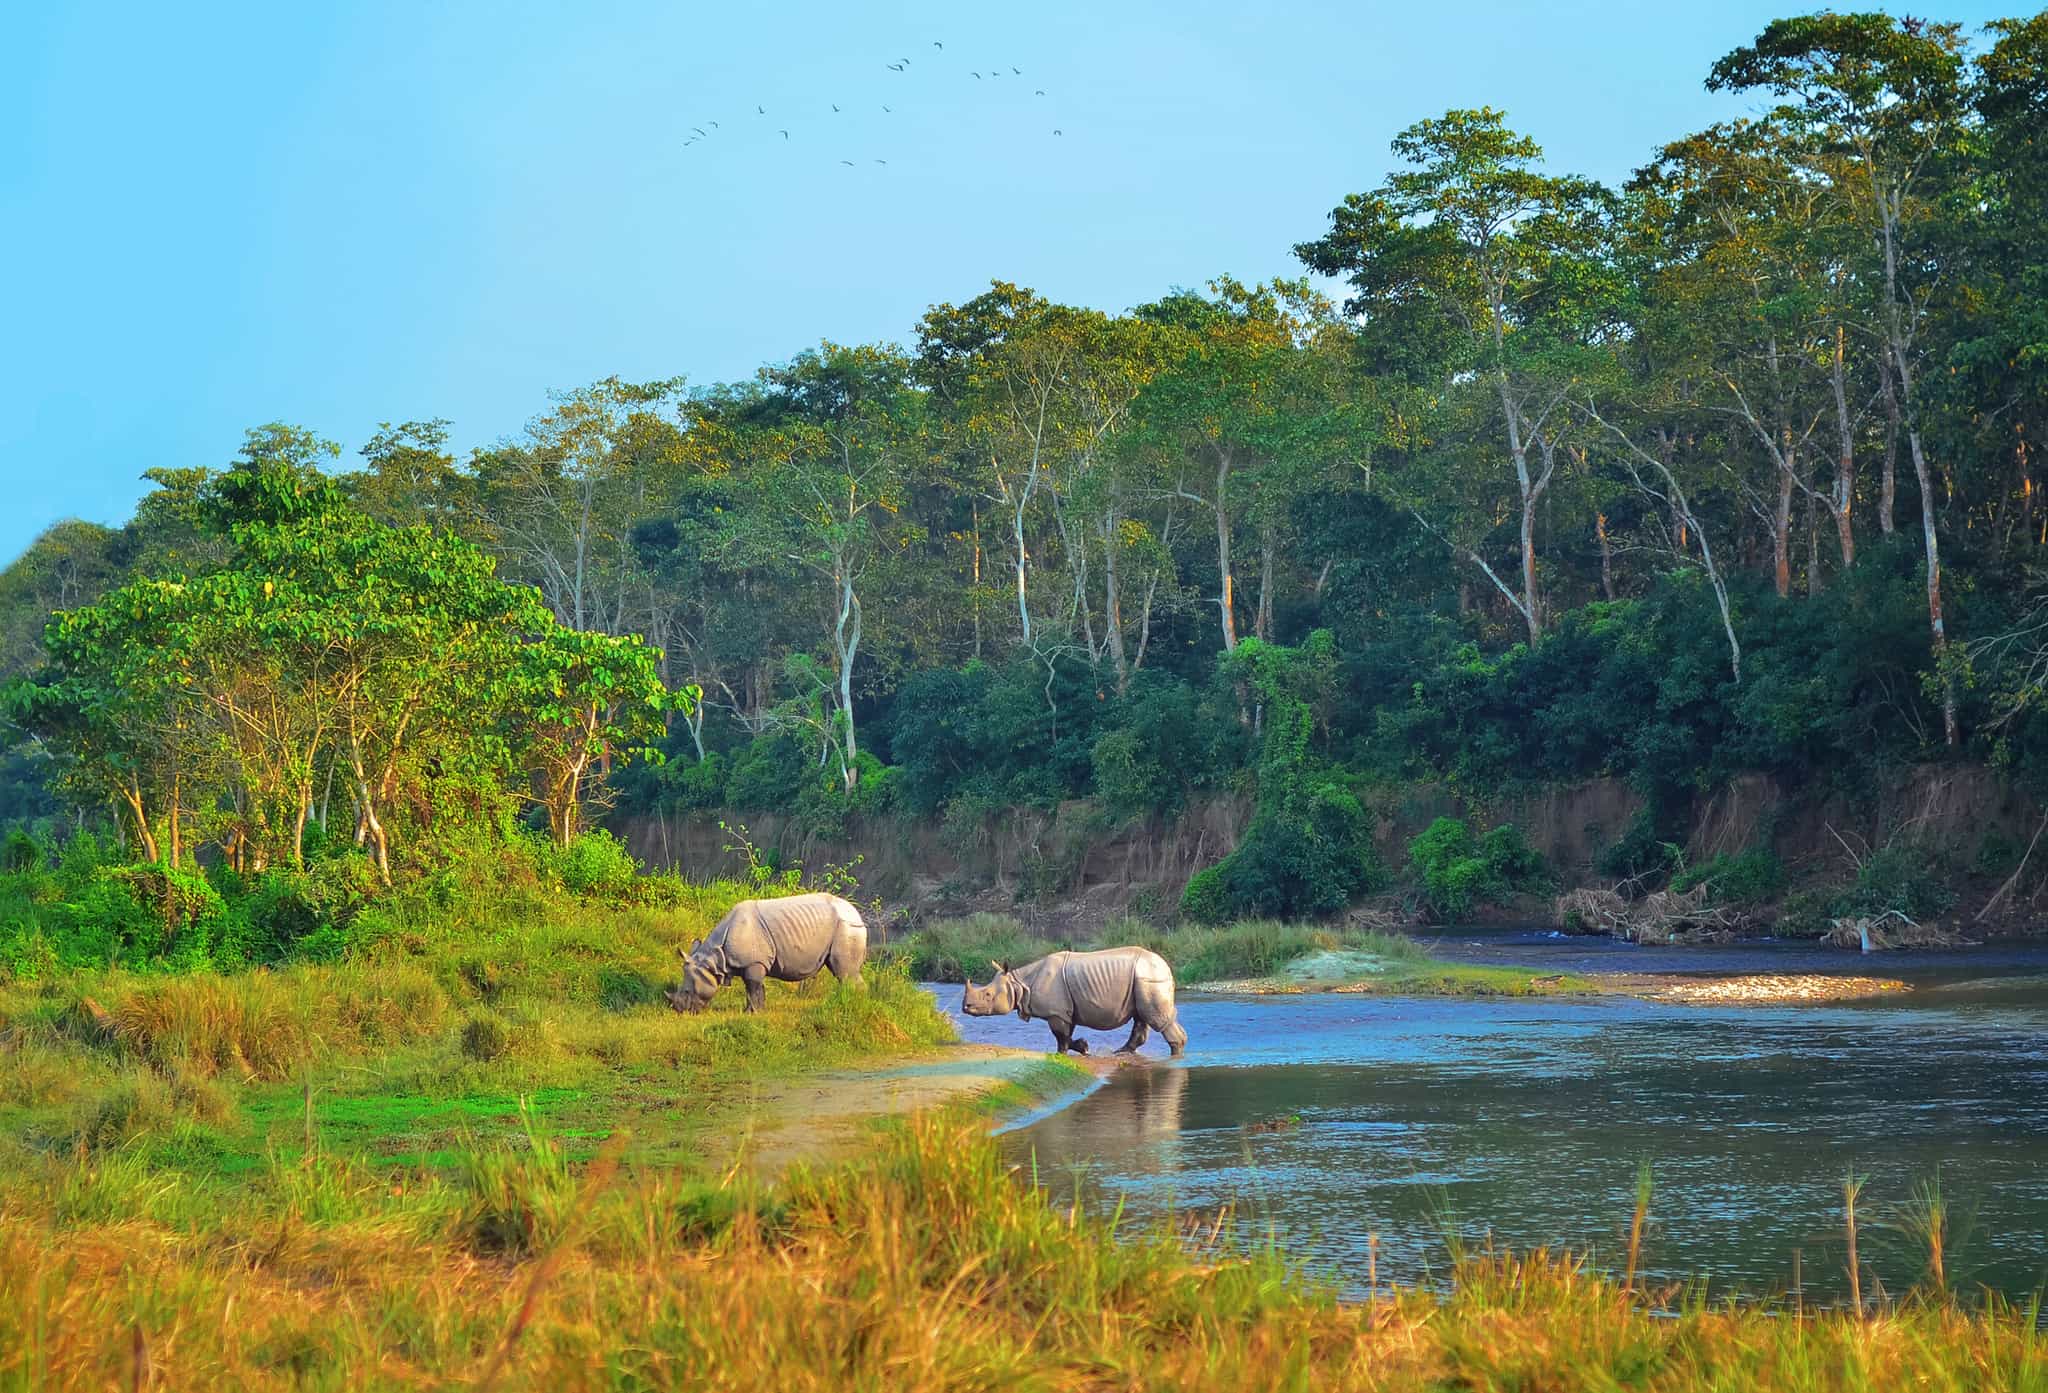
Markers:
(1526, 1120)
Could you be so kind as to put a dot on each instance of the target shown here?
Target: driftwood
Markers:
(1662, 917)
(1384, 921)
(1875, 933)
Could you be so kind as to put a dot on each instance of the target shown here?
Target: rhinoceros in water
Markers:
(1101, 990)
(788, 939)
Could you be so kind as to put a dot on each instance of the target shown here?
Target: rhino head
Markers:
(700, 983)
(998, 998)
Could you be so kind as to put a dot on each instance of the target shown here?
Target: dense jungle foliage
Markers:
(1732, 468)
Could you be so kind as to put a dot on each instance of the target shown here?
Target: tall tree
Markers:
(1502, 264)
(1878, 106)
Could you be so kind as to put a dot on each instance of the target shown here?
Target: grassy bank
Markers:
(926, 1264)
(466, 1008)
(1260, 954)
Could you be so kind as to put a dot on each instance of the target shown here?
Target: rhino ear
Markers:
(1001, 968)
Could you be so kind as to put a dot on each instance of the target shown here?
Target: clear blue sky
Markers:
(217, 215)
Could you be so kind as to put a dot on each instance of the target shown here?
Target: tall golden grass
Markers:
(926, 1264)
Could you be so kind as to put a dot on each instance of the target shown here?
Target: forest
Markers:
(1523, 479)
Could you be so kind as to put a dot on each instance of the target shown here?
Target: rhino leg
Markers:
(755, 976)
(1139, 1033)
(1176, 1038)
(1063, 1036)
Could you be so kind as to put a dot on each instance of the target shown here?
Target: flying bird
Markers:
(936, 44)
(977, 76)
(835, 106)
(885, 108)
(1059, 132)
(1018, 71)
(760, 111)
(893, 67)
(881, 162)
(785, 135)
(699, 130)
(712, 124)
(847, 163)
(1041, 91)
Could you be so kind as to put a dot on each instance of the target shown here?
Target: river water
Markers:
(1526, 1121)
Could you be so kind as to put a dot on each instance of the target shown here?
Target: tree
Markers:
(1229, 406)
(410, 479)
(559, 506)
(585, 703)
(1878, 105)
(1500, 264)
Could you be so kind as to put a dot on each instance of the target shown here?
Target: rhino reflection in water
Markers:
(790, 939)
(1101, 990)
(1134, 1126)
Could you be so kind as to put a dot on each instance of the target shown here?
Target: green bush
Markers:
(20, 852)
(1459, 872)
(306, 914)
(1750, 877)
(1893, 879)
(595, 863)
(1901, 879)
(1206, 900)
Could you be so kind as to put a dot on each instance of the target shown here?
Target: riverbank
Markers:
(1261, 958)
(926, 1257)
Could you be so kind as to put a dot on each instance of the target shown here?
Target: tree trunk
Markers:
(1113, 604)
(1889, 489)
(1606, 555)
(1950, 731)
(1226, 600)
(847, 640)
(1262, 622)
(1532, 612)
(1843, 497)
(975, 580)
(145, 839)
(1781, 534)
(1812, 549)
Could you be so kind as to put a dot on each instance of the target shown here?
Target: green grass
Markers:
(1272, 953)
(953, 950)
(378, 1059)
(925, 1263)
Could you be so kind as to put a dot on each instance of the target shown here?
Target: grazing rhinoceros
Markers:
(1101, 990)
(788, 939)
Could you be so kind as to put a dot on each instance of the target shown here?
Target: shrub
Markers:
(485, 1036)
(20, 853)
(151, 913)
(1749, 877)
(1206, 900)
(1458, 872)
(305, 914)
(595, 863)
(1901, 879)
(1639, 851)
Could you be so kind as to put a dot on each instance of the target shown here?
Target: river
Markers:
(1526, 1120)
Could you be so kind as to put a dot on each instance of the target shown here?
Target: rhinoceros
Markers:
(1101, 990)
(788, 939)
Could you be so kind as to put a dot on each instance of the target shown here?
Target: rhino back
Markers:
(1101, 986)
(798, 931)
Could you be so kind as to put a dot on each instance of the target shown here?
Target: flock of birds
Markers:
(901, 65)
